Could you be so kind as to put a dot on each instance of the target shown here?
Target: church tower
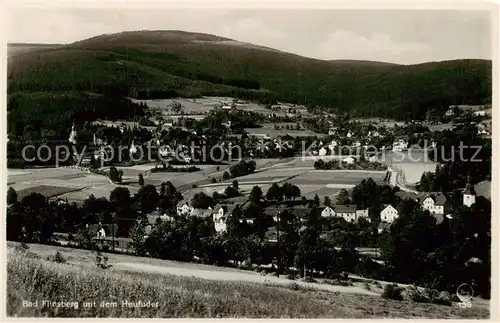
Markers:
(73, 135)
(469, 194)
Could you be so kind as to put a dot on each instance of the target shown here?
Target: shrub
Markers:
(195, 186)
(213, 180)
(338, 282)
(102, 261)
(291, 276)
(366, 286)
(58, 257)
(416, 295)
(25, 246)
(393, 291)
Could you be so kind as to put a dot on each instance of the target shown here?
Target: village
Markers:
(338, 160)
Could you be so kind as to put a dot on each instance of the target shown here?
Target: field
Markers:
(268, 130)
(66, 183)
(198, 108)
(178, 290)
(301, 173)
(76, 185)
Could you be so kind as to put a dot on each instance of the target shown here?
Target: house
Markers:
(480, 113)
(400, 145)
(248, 220)
(133, 148)
(96, 230)
(435, 203)
(183, 208)
(86, 160)
(322, 151)
(169, 123)
(220, 214)
(363, 214)
(349, 134)
(332, 145)
(347, 212)
(332, 131)
(469, 196)
(327, 212)
(451, 111)
(201, 213)
(165, 151)
(348, 160)
(388, 214)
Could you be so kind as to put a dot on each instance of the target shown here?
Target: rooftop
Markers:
(344, 208)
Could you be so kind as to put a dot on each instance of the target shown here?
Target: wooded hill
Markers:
(162, 64)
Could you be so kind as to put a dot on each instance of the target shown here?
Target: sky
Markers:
(396, 36)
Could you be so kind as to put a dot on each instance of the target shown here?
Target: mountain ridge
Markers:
(166, 64)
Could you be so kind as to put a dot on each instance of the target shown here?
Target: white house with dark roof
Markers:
(347, 212)
(220, 214)
(327, 212)
(435, 203)
(469, 196)
(400, 144)
(388, 214)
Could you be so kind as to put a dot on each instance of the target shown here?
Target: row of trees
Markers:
(463, 155)
(417, 249)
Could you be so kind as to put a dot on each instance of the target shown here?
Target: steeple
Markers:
(132, 148)
(469, 188)
(73, 135)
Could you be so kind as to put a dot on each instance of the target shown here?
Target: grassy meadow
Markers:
(32, 276)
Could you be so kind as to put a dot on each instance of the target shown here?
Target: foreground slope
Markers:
(171, 63)
(31, 277)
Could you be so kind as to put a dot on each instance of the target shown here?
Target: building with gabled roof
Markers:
(220, 215)
(469, 196)
(389, 213)
(435, 203)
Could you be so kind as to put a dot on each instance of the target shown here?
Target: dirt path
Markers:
(235, 276)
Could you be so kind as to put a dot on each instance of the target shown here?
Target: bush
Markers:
(25, 246)
(194, 185)
(416, 295)
(339, 282)
(393, 291)
(102, 261)
(58, 257)
(291, 276)
(366, 286)
(213, 180)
